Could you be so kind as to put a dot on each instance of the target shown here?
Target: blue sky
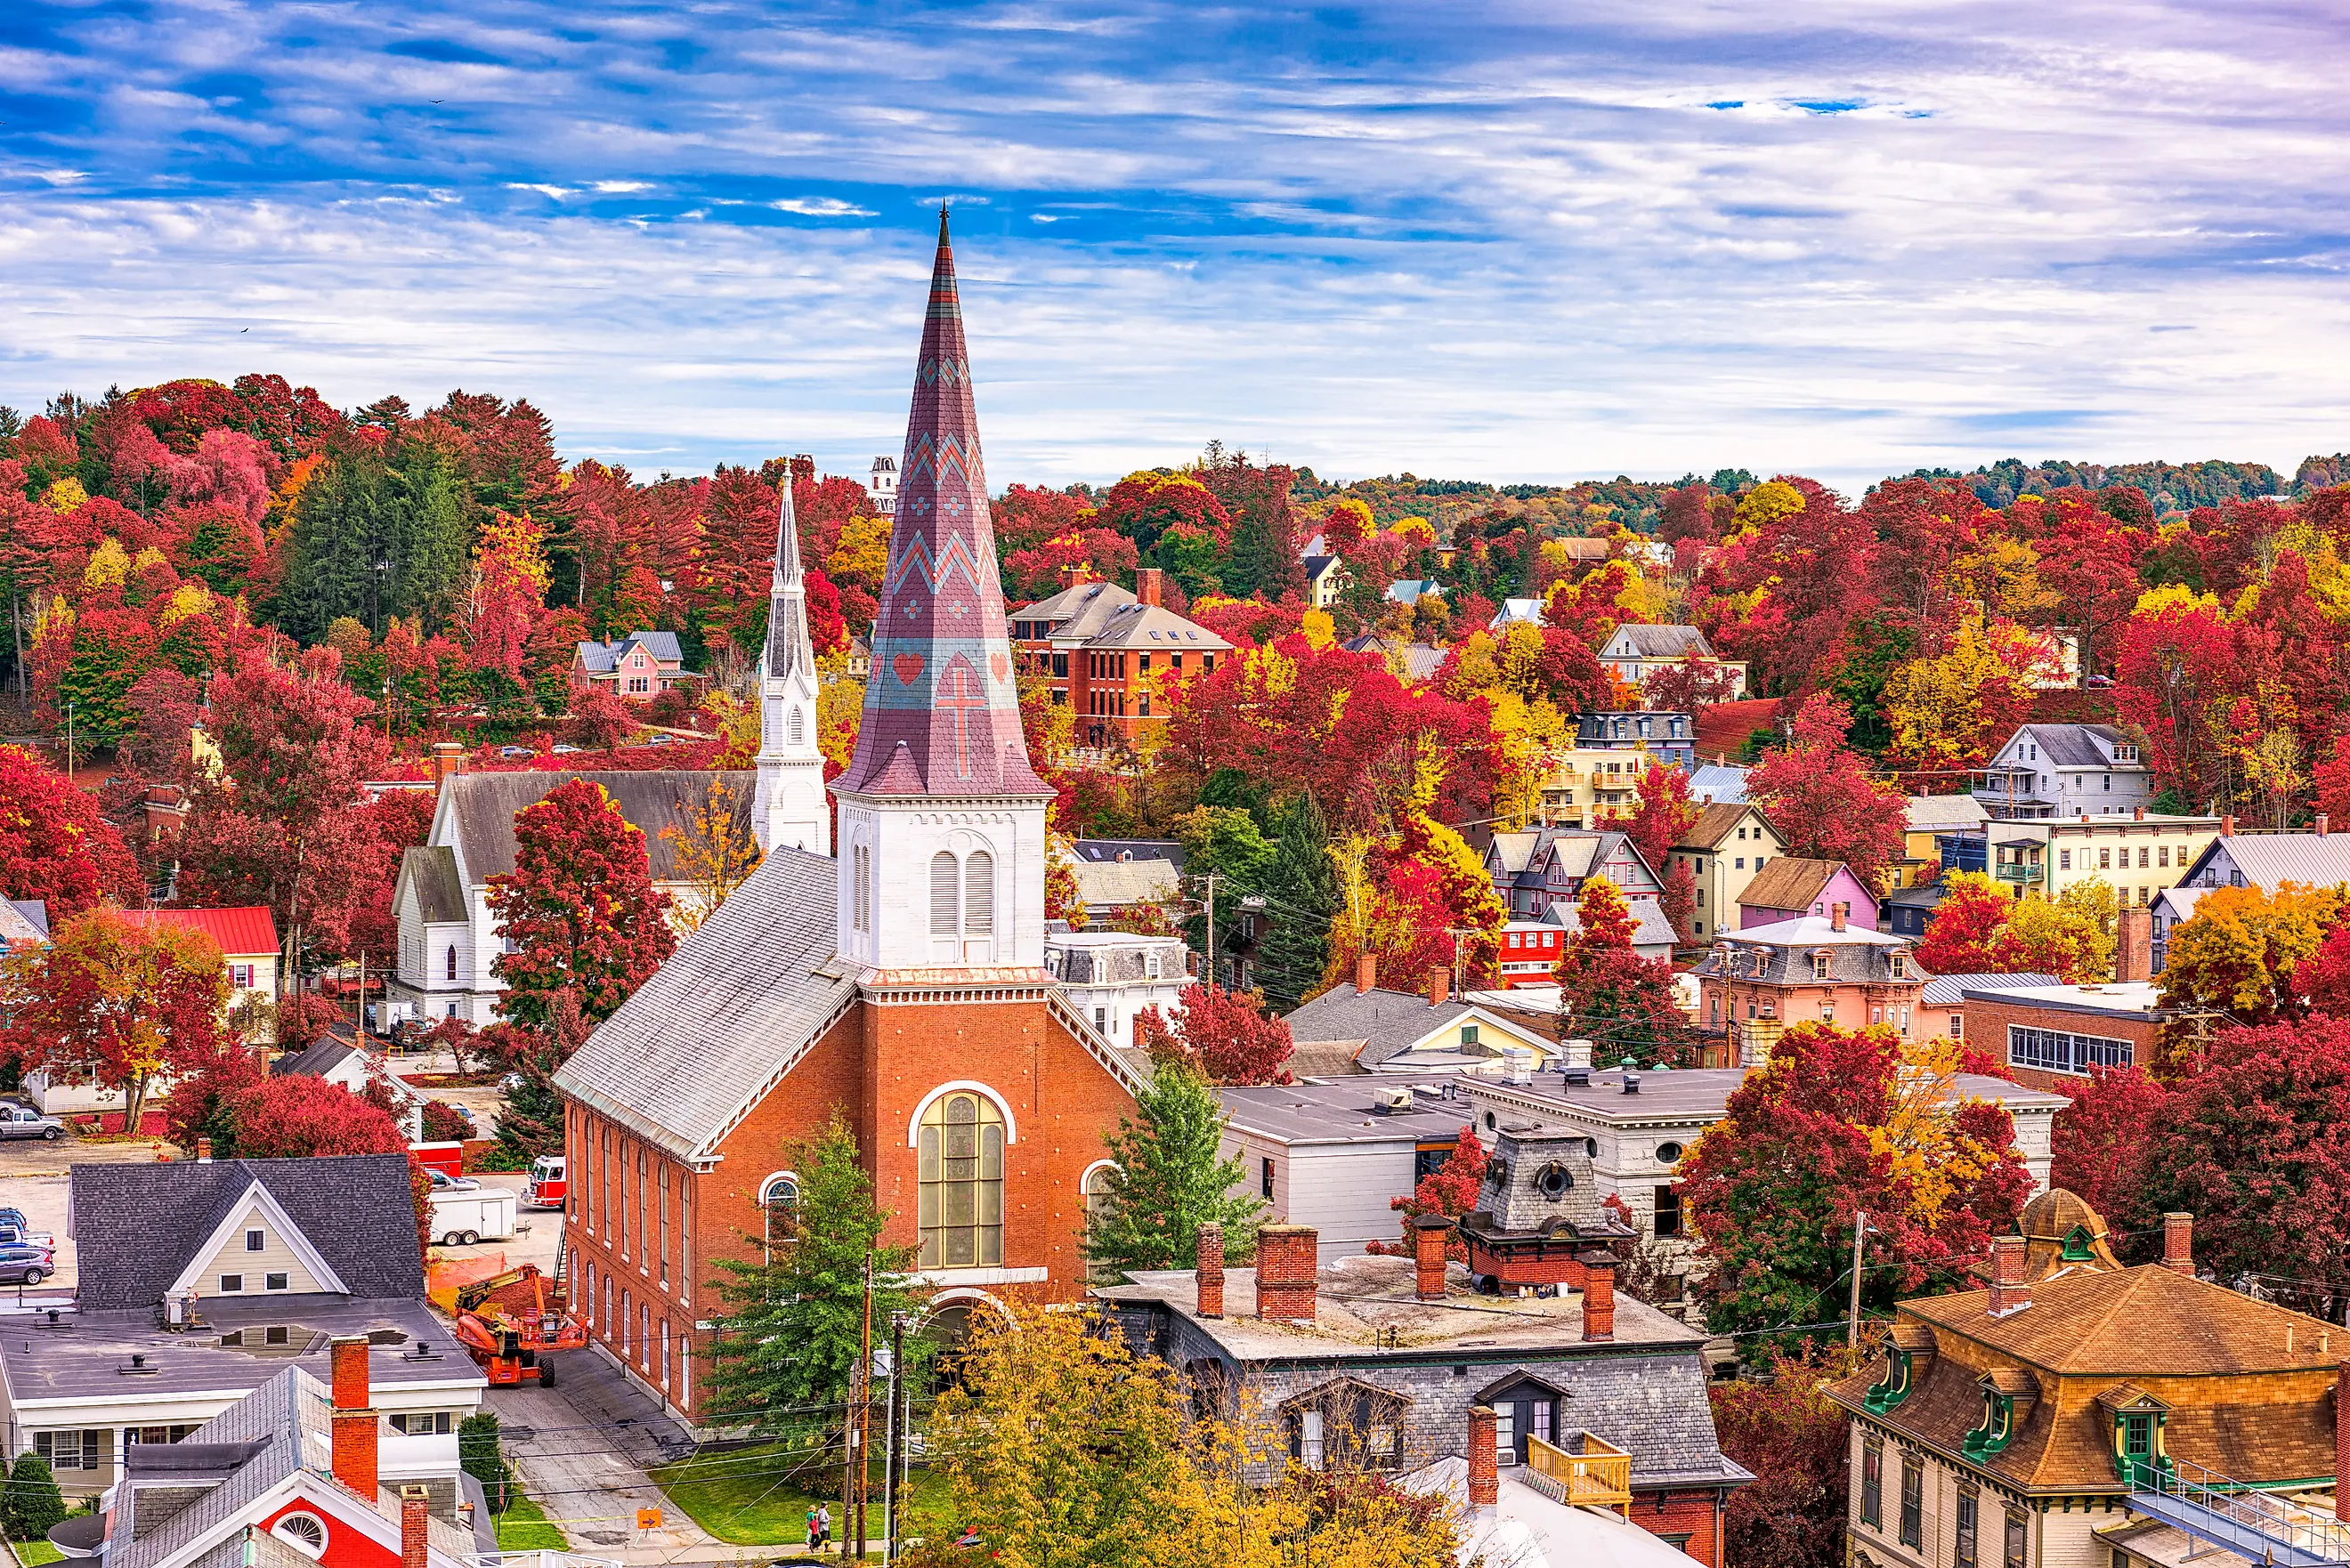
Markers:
(1514, 242)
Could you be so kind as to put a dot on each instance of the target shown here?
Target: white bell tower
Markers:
(790, 811)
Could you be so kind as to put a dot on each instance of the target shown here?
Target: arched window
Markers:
(961, 1145)
(305, 1533)
(453, 960)
(943, 893)
(978, 895)
(1097, 1196)
(793, 727)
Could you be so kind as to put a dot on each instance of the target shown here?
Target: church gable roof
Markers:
(741, 1000)
(482, 808)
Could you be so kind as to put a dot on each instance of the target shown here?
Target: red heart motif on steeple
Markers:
(1001, 665)
(908, 667)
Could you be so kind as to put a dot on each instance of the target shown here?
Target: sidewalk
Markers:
(582, 1449)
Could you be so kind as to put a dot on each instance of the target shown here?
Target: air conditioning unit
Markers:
(1387, 1101)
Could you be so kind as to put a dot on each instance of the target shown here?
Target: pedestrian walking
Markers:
(823, 1527)
(811, 1528)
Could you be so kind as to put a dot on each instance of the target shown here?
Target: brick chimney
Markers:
(2322, 824)
(2179, 1243)
(415, 1526)
(2009, 1292)
(1837, 915)
(1439, 984)
(2134, 946)
(448, 761)
(2227, 827)
(356, 1424)
(1211, 1270)
(1484, 1456)
(1366, 973)
(1429, 1234)
(1287, 1258)
(1148, 588)
(1598, 1296)
(2139, 815)
(203, 1151)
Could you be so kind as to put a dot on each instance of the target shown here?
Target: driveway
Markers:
(583, 1447)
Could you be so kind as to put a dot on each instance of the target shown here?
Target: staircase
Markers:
(2255, 1525)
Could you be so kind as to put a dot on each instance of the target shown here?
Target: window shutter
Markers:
(979, 894)
(943, 893)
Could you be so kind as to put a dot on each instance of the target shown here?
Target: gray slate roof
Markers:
(1932, 813)
(602, 657)
(743, 995)
(1662, 641)
(483, 806)
(138, 1226)
(2075, 745)
(1949, 990)
(269, 1424)
(1649, 927)
(322, 1057)
(1171, 849)
(1510, 1202)
(1387, 1021)
(431, 869)
(1781, 954)
(36, 912)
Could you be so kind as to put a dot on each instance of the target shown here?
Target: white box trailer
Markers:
(383, 1017)
(463, 1216)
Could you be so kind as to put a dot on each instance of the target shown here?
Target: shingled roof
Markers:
(1789, 882)
(2192, 1343)
(138, 1226)
(432, 870)
(483, 807)
(741, 1000)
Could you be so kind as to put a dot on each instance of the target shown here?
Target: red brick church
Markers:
(899, 979)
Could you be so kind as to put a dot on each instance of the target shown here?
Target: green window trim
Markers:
(1898, 1384)
(1998, 1429)
(2139, 1458)
(2076, 1245)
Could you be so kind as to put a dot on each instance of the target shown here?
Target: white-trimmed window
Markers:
(961, 1144)
(304, 1533)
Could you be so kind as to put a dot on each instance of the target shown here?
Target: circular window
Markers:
(1668, 1154)
(305, 1533)
(1591, 1147)
(1554, 1181)
(1490, 1123)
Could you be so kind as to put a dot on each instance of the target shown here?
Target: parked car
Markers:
(25, 1265)
(444, 1182)
(516, 752)
(24, 1121)
(564, 748)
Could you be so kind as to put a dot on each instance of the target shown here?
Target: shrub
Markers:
(34, 1504)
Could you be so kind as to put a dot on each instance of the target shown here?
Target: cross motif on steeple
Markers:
(960, 694)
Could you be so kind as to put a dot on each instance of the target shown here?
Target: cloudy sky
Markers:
(1518, 242)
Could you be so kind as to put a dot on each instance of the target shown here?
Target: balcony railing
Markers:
(1581, 1469)
(2015, 871)
(2220, 1512)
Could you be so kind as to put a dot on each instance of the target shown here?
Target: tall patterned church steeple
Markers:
(942, 708)
(941, 850)
(790, 811)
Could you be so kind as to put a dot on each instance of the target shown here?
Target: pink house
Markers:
(1788, 890)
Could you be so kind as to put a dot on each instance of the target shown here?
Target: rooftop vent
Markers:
(137, 1366)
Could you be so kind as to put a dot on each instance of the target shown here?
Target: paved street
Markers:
(583, 1447)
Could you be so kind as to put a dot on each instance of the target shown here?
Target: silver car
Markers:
(24, 1121)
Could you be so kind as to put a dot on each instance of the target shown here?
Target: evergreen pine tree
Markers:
(793, 1323)
(34, 1504)
(1167, 1181)
(1302, 897)
(479, 1456)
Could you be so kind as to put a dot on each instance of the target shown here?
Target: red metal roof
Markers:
(247, 932)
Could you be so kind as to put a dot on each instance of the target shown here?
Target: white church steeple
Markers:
(791, 810)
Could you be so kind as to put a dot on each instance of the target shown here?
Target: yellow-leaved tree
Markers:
(2232, 959)
(712, 848)
(1147, 1477)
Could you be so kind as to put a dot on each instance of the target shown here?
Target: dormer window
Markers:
(1901, 962)
(1820, 963)
(2125, 754)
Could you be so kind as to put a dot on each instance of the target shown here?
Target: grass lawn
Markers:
(34, 1554)
(742, 1497)
(523, 1527)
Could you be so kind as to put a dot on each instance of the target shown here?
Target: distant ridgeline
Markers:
(2171, 486)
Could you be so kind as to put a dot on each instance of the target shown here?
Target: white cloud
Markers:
(822, 207)
(621, 187)
(553, 192)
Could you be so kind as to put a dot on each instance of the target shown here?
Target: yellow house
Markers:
(1587, 784)
(2138, 856)
(1723, 849)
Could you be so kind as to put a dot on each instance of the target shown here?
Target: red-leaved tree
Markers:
(1963, 935)
(1623, 1002)
(2101, 1142)
(295, 1115)
(1226, 1034)
(53, 845)
(1450, 1189)
(1817, 793)
(580, 908)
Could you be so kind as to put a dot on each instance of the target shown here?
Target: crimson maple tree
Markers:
(295, 1116)
(579, 909)
(54, 845)
(2101, 1142)
(1226, 1034)
(1450, 1189)
(1624, 1003)
(1817, 794)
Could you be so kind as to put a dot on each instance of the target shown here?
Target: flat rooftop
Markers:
(2135, 999)
(83, 1357)
(1344, 1111)
(1367, 1306)
(1697, 1093)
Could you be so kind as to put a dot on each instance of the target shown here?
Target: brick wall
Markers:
(1987, 1025)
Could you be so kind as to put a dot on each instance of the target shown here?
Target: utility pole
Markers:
(1852, 1319)
(70, 740)
(894, 1438)
(1456, 933)
(1211, 928)
(860, 1426)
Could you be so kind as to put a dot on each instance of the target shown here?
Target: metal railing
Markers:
(2254, 1525)
(1582, 1470)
